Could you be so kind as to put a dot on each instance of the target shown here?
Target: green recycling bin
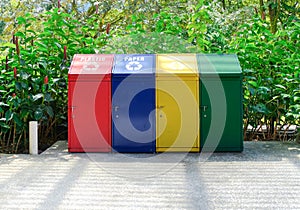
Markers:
(221, 103)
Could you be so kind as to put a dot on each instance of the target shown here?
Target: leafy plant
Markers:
(34, 77)
(34, 61)
(271, 76)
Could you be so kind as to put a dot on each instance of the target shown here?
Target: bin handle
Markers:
(72, 111)
(204, 108)
(116, 108)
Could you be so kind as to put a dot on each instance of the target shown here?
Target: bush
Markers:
(33, 83)
(34, 65)
(271, 76)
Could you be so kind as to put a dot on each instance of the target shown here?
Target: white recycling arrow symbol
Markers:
(90, 66)
(134, 66)
(176, 65)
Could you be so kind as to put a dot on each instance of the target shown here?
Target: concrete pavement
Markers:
(265, 176)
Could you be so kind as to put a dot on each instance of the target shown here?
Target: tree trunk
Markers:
(274, 11)
(262, 9)
(224, 4)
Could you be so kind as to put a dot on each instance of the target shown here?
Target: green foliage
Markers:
(2, 25)
(149, 43)
(197, 26)
(43, 45)
(272, 82)
(34, 76)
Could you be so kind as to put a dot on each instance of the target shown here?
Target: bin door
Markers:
(177, 97)
(132, 115)
(89, 117)
(177, 119)
(133, 103)
(230, 137)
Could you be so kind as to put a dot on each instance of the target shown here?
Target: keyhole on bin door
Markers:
(204, 108)
(161, 113)
(116, 108)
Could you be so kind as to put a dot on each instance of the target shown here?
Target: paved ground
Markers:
(265, 176)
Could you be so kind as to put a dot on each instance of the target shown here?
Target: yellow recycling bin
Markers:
(177, 103)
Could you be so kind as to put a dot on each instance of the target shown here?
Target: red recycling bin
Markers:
(89, 105)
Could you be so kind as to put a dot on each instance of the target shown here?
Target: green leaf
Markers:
(24, 85)
(55, 80)
(31, 31)
(17, 120)
(264, 89)
(27, 40)
(58, 45)
(24, 113)
(41, 46)
(37, 96)
(4, 127)
(18, 86)
(7, 44)
(248, 71)
(8, 115)
(280, 86)
(285, 95)
(21, 20)
(297, 107)
(48, 97)
(296, 98)
(49, 111)
(38, 114)
(20, 34)
(261, 108)
(24, 75)
(3, 104)
(253, 83)
(44, 64)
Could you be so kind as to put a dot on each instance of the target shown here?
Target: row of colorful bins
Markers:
(155, 103)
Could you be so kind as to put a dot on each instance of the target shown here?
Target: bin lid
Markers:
(125, 64)
(225, 65)
(91, 66)
(178, 64)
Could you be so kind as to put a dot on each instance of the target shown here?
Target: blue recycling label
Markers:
(134, 63)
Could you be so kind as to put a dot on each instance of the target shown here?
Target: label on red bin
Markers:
(91, 64)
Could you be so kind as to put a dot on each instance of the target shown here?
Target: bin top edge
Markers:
(221, 64)
(91, 64)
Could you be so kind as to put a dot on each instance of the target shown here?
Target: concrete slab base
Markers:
(266, 175)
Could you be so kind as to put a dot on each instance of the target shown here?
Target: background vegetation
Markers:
(39, 38)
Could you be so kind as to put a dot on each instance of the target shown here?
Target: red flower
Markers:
(15, 72)
(14, 95)
(97, 7)
(17, 46)
(263, 16)
(107, 28)
(46, 80)
(65, 52)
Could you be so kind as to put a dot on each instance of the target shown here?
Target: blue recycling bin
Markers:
(133, 103)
